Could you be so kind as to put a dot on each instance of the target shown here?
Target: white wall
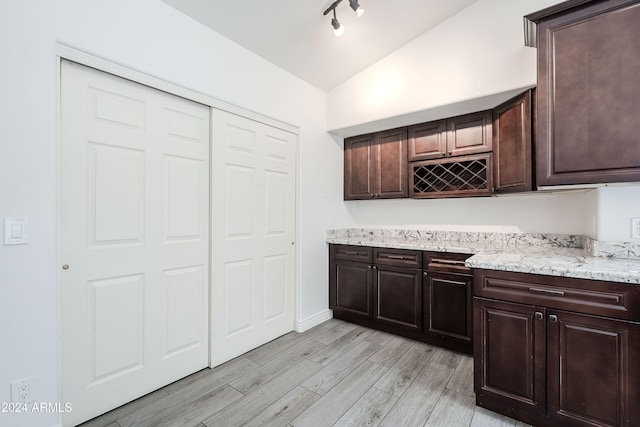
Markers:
(530, 213)
(477, 53)
(616, 206)
(151, 37)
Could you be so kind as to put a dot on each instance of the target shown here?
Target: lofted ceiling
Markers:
(294, 34)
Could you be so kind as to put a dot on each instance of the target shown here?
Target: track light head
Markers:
(338, 28)
(356, 7)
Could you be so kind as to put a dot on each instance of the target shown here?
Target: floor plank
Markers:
(107, 419)
(285, 409)
(201, 409)
(330, 407)
(275, 366)
(333, 373)
(462, 378)
(452, 410)
(485, 418)
(336, 332)
(337, 347)
(400, 375)
(258, 399)
(393, 350)
(369, 410)
(417, 402)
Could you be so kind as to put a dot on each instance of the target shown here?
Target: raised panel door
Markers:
(448, 306)
(427, 140)
(350, 288)
(397, 297)
(359, 181)
(593, 372)
(509, 358)
(469, 134)
(390, 163)
(512, 149)
(587, 105)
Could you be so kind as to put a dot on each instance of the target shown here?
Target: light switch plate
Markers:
(16, 231)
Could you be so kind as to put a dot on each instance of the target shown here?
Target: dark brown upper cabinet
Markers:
(512, 149)
(588, 109)
(456, 136)
(375, 165)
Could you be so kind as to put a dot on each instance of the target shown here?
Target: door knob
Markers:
(65, 267)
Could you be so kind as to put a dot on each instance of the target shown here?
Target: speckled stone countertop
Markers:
(548, 254)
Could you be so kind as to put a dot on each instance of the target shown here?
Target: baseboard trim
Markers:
(311, 321)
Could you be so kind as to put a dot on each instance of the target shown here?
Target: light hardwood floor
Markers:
(336, 374)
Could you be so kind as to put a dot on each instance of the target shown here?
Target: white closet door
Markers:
(134, 233)
(253, 234)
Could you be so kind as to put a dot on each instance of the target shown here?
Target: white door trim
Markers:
(64, 52)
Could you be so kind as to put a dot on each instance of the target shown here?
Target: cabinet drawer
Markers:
(397, 257)
(352, 253)
(611, 299)
(446, 261)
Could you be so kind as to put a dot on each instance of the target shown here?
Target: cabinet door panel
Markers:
(352, 288)
(398, 297)
(390, 154)
(587, 108)
(358, 178)
(469, 134)
(447, 303)
(427, 140)
(593, 371)
(512, 149)
(509, 358)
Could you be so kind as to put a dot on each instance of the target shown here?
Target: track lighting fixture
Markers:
(338, 28)
(356, 7)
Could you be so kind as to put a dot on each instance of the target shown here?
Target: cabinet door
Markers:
(593, 371)
(359, 181)
(350, 288)
(427, 140)
(509, 358)
(398, 297)
(588, 107)
(448, 306)
(512, 149)
(390, 162)
(469, 134)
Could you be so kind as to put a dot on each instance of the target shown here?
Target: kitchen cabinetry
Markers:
(588, 106)
(375, 165)
(447, 300)
(512, 147)
(387, 289)
(456, 136)
(556, 351)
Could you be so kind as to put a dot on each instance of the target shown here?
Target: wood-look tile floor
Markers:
(336, 374)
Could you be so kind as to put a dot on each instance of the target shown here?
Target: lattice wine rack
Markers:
(457, 176)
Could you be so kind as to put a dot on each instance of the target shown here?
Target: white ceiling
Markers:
(294, 35)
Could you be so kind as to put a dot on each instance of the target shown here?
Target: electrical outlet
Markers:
(21, 390)
(635, 228)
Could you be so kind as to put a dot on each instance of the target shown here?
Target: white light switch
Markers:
(16, 231)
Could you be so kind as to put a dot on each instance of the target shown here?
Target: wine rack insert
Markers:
(453, 176)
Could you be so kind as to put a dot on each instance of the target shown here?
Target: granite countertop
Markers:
(547, 254)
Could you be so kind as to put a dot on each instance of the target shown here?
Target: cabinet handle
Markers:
(447, 261)
(369, 267)
(538, 315)
(373, 195)
(547, 291)
(350, 253)
(553, 318)
(375, 268)
(450, 152)
(425, 274)
(392, 256)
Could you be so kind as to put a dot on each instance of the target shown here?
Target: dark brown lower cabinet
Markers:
(397, 297)
(387, 289)
(448, 307)
(550, 367)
